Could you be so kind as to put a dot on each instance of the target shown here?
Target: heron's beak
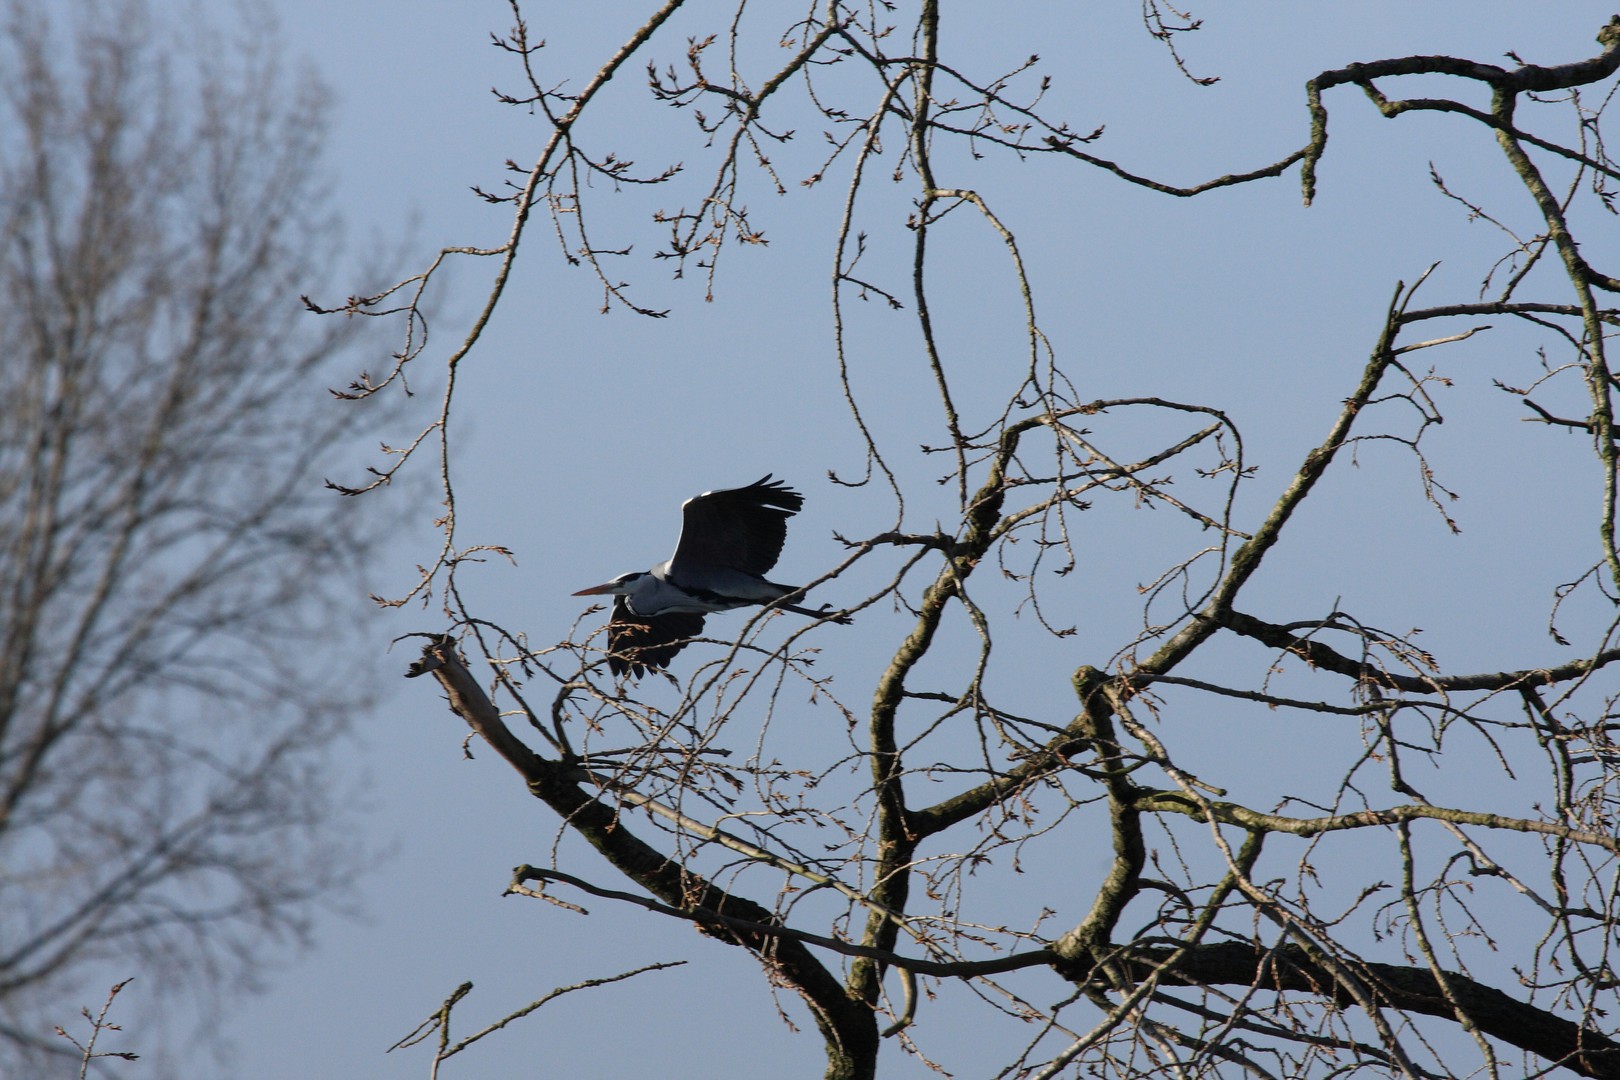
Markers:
(597, 590)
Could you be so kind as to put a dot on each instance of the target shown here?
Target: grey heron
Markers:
(729, 539)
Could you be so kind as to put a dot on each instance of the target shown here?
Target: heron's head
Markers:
(622, 585)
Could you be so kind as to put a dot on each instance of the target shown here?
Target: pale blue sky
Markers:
(1243, 298)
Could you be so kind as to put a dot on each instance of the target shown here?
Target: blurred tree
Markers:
(1208, 907)
(168, 558)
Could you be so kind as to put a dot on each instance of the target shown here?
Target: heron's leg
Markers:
(823, 612)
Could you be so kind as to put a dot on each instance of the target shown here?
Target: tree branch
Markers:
(844, 1023)
(1412, 989)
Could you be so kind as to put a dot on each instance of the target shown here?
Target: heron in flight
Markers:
(729, 539)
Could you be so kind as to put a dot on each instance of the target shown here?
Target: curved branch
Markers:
(1530, 77)
(845, 1023)
(1274, 169)
(957, 969)
(1410, 989)
(1325, 657)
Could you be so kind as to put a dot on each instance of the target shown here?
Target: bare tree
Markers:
(168, 555)
(1376, 918)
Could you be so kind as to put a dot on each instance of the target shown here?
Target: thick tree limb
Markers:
(1411, 989)
(846, 1024)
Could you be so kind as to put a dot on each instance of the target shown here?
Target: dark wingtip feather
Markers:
(773, 493)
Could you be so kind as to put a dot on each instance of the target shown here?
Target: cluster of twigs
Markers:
(1211, 941)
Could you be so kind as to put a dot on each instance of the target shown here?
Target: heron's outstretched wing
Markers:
(738, 528)
(639, 642)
